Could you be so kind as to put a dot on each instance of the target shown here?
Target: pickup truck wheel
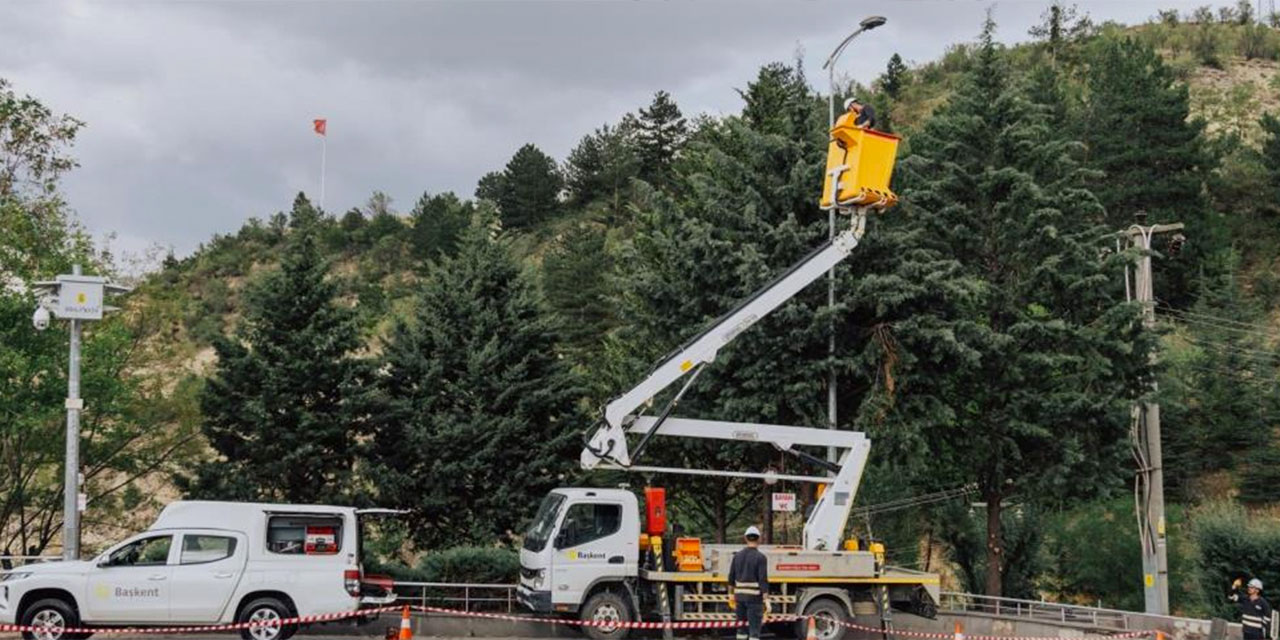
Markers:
(606, 609)
(830, 616)
(52, 615)
(271, 612)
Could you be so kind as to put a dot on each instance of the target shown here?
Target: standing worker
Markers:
(1255, 611)
(749, 584)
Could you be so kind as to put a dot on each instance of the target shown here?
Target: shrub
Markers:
(471, 564)
(1233, 546)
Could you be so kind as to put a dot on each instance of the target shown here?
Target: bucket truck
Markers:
(589, 553)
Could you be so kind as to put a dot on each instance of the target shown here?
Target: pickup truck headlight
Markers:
(538, 578)
(14, 575)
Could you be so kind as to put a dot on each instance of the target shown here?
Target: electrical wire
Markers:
(1165, 308)
(1221, 347)
(1192, 323)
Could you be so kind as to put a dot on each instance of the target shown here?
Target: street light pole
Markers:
(830, 65)
(77, 298)
(71, 479)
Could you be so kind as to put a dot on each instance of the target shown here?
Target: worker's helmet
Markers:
(850, 102)
(1255, 584)
(752, 532)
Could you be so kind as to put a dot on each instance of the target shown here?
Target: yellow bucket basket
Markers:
(861, 160)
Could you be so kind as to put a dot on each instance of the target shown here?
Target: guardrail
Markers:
(956, 602)
(1053, 612)
(490, 598)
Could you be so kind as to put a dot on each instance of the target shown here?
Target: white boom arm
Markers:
(607, 448)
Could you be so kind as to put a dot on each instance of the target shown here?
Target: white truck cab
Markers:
(202, 563)
(579, 539)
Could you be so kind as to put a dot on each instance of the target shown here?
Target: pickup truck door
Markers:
(130, 583)
(209, 565)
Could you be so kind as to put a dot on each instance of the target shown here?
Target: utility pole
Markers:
(1149, 477)
(75, 297)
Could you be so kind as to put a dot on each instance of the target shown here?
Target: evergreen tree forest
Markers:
(446, 358)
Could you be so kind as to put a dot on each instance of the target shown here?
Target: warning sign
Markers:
(784, 502)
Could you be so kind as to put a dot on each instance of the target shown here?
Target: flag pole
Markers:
(324, 145)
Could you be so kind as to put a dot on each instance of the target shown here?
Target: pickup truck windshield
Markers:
(544, 522)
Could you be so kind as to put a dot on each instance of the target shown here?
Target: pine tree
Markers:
(438, 224)
(998, 189)
(304, 215)
(660, 132)
(577, 279)
(1220, 392)
(528, 191)
(895, 78)
(777, 101)
(1133, 96)
(476, 416)
(600, 169)
(282, 409)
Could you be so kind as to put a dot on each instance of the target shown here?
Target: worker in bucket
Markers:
(863, 114)
(748, 585)
(1255, 611)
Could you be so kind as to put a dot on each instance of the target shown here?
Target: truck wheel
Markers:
(830, 618)
(52, 614)
(267, 610)
(604, 608)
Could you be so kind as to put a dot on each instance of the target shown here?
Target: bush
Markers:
(1232, 546)
(490, 565)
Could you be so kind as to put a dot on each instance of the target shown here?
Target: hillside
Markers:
(563, 278)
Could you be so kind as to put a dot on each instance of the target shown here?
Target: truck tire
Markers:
(831, 617)
(605, 607)
(266, 610)
(54, 613)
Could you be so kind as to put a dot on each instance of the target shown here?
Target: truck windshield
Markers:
(544, 522)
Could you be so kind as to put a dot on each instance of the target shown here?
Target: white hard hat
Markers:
(1255, 584)
(851, 101)
(752, 531)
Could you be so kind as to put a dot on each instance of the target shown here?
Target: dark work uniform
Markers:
(749, 576)
(867, 118)
(1255, 617)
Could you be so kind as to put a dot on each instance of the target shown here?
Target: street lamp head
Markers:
(40, 319)
(872, 22)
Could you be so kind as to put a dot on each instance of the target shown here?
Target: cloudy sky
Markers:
(199, 113)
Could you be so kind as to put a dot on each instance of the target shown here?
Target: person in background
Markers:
(1255, 611)
(749, 584)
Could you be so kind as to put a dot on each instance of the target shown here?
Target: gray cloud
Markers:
(199, 113)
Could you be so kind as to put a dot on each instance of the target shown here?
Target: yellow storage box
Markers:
(862, 161)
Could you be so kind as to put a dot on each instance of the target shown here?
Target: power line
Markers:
(1203, 324)
(1183, 312)
(1222, 347)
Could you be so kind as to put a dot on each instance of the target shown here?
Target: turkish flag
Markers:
(319, 125)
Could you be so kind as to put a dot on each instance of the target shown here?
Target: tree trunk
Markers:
(766, 499)
(721, 514)
(995, 546)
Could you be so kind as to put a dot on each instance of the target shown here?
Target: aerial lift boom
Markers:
(608, 447)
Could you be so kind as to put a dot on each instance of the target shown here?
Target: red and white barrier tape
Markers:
(684, 625)
(965, 636)
(237, 626)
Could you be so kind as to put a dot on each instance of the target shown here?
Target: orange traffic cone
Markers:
(813, 629)
(406, 629)
(959, 631)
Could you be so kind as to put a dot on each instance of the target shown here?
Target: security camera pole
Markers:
(867, 24)
(77, 298)
(1146, 425)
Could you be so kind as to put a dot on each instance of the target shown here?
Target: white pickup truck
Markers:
(203, 563)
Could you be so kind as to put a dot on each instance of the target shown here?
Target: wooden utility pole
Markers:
(1149, 477)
